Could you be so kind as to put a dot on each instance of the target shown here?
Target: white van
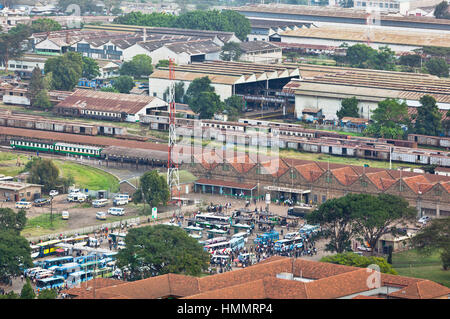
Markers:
(100, 202)
(121, 199)
(116, 211)
(65, 214)
(76, 197)
(23, 205)
(100, 215)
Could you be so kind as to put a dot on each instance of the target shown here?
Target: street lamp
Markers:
(51, 210)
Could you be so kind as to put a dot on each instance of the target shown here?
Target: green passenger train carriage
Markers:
(56, 148)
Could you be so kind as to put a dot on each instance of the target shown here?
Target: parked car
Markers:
(41, 202)
(424, 219)
(364, 248)
(100, 215)
(53, 193)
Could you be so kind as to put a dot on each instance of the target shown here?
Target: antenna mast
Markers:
(173, 178)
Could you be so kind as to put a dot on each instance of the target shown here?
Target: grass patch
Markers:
(412, 264)
(42, 224)
(88, 177)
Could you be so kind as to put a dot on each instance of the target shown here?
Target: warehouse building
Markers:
(334, 36)
(227, 78)
(108, 106)
(260, 52)
(269, 30)
(16, 191)
(324, 89)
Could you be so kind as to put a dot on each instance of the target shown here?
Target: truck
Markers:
(300, 210)
(76, 197)
(266, 238)
(121, 199)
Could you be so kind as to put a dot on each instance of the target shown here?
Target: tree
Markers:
(66, 70)
(352, 259)
(162, 64)
(388, 119)
(349, 108)
(46, 173)
(358, 55)
(239, 24)
(109, 89)
(15, 252)
(153, 189)
(13, 44)
(384, 59)
(206, 104)
(161, 249)
(123, 83)
(140, 66)
(27, 291)
(11, 221)
(196, 87)
(90, 68)
(48, 294)
(434, 237)
(375, 216)
(36, 84)
(412, 60)
(437, 66)
(334, 216)
(428, 120)
(441, 11)
(234, 106)
(45, 25)
(231, 51)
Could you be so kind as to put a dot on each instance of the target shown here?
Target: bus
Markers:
(105, 272)
(23, 205)
(265, 238)
(59, 261)
(49, 283)
(100, 203)
(195, 232)
(211, 218)
(48, 248)
(288, 244)
(76, 278)
(78, 241)
(241, 234)
(237, 243)
(85, 259)
(96, 264)
(217, 246)
(65, 270)
(35, 251)
(213, 240)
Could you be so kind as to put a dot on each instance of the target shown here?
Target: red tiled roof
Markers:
(345, 175)
(310, 172)
(424, 289)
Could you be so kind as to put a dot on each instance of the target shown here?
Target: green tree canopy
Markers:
(355, 260)
(161, 249)
(45, 25)
(428, 120)
(335, 218)
(179, 93)
(196, 87)
(234, 105)
(162, 64)
(375, 216)
(434, 237)
(48, 294)
(14, 43)
(46, 173)
(441, 11)
(231, 51)
(153, 189)
(437, 66)
(363, 56)
(349, 108)
(90, 68)
(123, 83)
(207, 104)
(412, 60)
(27, 291)
(66, 70)
(15, 253)
(12, 221)
(140, 66)
(388, 119)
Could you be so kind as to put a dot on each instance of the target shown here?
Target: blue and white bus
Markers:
(78, 277)
(59, 261)
(85, 259)
(49, 283)
(65, 270)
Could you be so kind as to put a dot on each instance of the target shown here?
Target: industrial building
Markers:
(260, 52)
(227, 78)
(324, 89)
(108, 106)
(320, 15)
(16, 191)
(268, 30)
(400, 41)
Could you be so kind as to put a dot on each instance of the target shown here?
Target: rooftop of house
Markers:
(274, 278)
